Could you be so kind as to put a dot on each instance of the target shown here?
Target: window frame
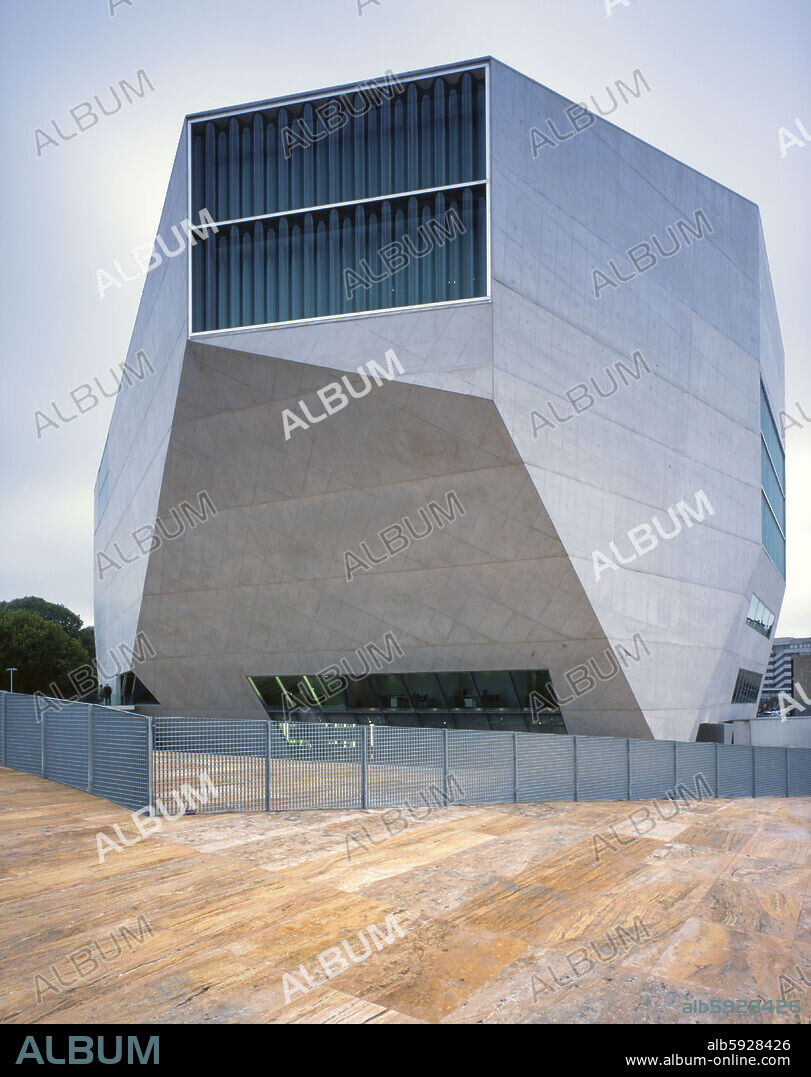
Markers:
(755, 604)
(744, 684)
(407, 692)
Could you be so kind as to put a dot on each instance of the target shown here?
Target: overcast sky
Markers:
(724, 77)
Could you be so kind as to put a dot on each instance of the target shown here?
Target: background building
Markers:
(788, 671)
(457, 382)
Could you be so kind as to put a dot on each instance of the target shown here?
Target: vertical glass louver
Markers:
(772, 486)
(365, 201)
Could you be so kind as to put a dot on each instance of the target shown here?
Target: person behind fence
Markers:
(106, 694)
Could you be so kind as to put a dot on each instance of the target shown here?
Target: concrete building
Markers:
(459, 392)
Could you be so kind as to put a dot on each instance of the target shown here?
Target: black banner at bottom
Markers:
(630, 1047)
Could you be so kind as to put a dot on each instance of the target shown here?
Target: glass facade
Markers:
(357, 202)
(489, 699)
(772, 486)
(747, 686)
(760, 617)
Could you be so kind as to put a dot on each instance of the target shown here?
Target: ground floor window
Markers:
(518, 700)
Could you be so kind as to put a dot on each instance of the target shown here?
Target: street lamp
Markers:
(11, 670)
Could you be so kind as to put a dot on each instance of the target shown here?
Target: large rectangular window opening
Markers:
(522, 700)
(365, 201)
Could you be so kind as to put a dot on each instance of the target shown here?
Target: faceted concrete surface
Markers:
(261, 588)
(139, 434)
(526, 913)
(705, 321)
(259, 591)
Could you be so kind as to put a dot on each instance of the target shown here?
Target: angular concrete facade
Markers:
(494, 405)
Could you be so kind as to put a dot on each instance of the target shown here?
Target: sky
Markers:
(725, 76)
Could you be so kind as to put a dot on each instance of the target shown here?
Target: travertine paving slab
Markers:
(674, 854)
(527, 913)
(803, 933)
(768, 847)
(432, 970)
(706, 837)
(749, 908)
(745, 964)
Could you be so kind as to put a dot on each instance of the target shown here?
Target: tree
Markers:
(87, 638)
(43, 652)
(51, 611)
(58, 614)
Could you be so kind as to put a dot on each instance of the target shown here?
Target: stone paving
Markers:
(531, 913)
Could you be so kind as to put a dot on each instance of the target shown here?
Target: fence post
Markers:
(754, 775)
(787, 773)
(628, 766)
(150, 776)
(90, 713)
(574, 760)
(515, 768)
(445, 796)
(3, 718)
(364, 747)
(676, 766)
(717, 774)
(267, 770)
(40, 720)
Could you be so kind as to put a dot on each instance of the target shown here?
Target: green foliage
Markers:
(46, 642)
(87, 638)
(42, 651)
(52, 611)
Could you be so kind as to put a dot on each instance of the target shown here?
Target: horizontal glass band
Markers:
(386, 255)
(490, 691)
(380, 140)
(768, 430)
(774, 541)
(772, 489)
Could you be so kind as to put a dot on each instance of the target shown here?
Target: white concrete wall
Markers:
(698, 318)
(139, 436)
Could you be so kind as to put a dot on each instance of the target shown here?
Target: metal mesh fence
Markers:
(120, 758)
(545, 767)
(192, 755)
(408, 766)
(771, 772)
(736, 775)
(185, 765)
(601, 768)
(66, 730)
(22, 734)
(99, 749)
(653, 768)
(697, 768)
(483, 765)
(316, 765)
(799, 772)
